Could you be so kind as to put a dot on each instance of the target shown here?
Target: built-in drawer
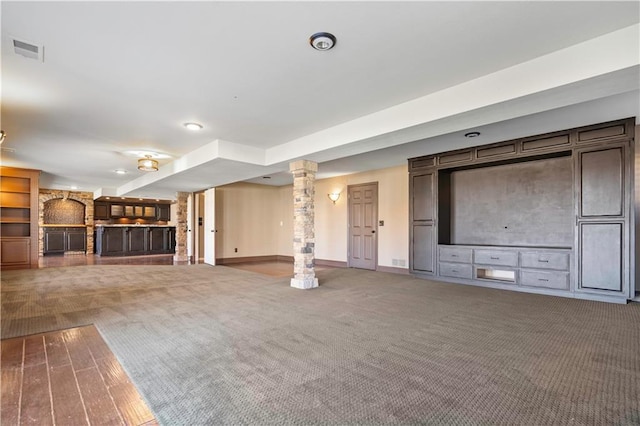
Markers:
(545, 260)
(556, 280)
(496, 257)
(454, 254)
(456, 270)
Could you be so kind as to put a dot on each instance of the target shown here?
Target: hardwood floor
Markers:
(91, 259)
(67, 377)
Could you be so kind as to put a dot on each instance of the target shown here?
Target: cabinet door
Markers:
(422, 197)
(601, 248)
(164, 212)
(117, 210)
(137, 240)
(601, 175)
(76, 240)
(157, 238)
(171, 240)
(423, 248)
(15, 252)
(54, 241)
(101, 211)
(113, 241)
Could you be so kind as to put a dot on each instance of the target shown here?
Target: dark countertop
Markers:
(133, 225)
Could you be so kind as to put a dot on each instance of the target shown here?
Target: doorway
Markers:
(363, 226)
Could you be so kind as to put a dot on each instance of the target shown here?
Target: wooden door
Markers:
(363, 226)
(210, 226)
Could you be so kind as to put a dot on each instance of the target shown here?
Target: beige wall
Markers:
(258, 219)
(247, 218)
(393, 203)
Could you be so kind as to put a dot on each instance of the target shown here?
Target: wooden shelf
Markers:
(18, 218)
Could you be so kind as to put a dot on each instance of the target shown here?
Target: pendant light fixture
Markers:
(148, 164)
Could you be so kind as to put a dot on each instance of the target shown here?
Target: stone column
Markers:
(304, 176)
(181, 228)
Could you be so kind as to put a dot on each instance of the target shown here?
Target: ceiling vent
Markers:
(28, 50)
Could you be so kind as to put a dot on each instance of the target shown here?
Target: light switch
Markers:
(381, 223)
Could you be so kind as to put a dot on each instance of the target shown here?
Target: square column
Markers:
(181, 228)
(304, 176)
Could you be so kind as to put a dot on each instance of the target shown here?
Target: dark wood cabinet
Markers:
(164, 212)
(54, 240)
(101, 211)
(64, 239)
(137, 241)
(104, 211)
(76, 239)
(134, 240)
(110, 241)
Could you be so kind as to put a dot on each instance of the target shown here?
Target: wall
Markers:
(247, 218)
(258, 219)
(393, 204)
(285, 221)
(636, 269)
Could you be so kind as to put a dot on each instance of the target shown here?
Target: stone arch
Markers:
(85, 198)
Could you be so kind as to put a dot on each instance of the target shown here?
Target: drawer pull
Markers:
(543, 279)
(495, 258)
(454, 255)
(543, 261)
(454, 270)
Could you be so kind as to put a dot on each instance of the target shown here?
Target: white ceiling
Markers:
(121, 76)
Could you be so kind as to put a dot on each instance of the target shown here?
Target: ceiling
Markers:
(404, 79)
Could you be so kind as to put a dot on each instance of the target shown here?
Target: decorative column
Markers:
(181, 228)
(304, 176)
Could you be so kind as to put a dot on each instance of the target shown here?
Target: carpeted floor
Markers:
(215, 345)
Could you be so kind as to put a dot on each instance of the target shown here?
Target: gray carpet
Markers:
(215, 345)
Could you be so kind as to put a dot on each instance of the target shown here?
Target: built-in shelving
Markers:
(18, 218)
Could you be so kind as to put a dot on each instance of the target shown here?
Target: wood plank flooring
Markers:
(67, 377)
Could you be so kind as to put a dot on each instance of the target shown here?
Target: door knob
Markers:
(373, 232)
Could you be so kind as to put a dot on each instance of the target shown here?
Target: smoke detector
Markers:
(28, 50)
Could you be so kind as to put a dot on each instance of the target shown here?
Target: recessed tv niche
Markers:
(527, 204)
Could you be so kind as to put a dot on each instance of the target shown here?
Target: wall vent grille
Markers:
(28, 50)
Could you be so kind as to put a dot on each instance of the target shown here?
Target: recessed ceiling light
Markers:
(107, 198)
(322, 41)
(472, 135)
(74, 187)
(120, 172)
(193, 126)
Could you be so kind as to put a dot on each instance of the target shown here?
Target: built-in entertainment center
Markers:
(548, 214)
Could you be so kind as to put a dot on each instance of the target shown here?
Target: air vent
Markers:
(28, 50)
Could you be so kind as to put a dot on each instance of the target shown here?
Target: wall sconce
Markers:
(334, 196)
